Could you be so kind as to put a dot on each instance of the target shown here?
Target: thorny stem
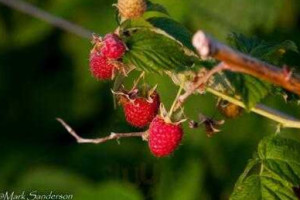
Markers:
(237, 61)
(112, 136)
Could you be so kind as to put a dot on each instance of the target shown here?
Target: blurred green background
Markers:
(44, 74)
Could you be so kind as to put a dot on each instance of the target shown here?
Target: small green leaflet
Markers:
(154, 52)
(269, 52)
(282, 157)
(174, 29)
(166, 24)
(273, 173)
(263, 186)
(253, 90)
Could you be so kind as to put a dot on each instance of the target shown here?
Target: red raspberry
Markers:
(164, 137)
(140, 112)
(100, 66)
(112, 46)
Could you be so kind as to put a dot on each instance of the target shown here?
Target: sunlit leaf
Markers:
(174, 29)
(155, 52)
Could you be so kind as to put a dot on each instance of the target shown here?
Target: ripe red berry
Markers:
(139, 112)
(164, 137)
(113, 47)
(100, 66)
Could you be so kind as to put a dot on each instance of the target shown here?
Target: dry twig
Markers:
(112, 136)
(47, 17)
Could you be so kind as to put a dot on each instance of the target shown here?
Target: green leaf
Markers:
(282, 157)
(156, 7)
(154, 52)
(251, 89)
(273, 173)
(174, 29)
(171, 28)
(263, 187)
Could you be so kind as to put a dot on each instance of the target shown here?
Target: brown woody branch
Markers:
(112, 136)
(208, 47)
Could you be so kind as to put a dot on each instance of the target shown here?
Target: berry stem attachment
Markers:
(112, 136)
(142, 75)
(203, 80)
(173, 107)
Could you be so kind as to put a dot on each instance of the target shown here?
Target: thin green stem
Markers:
(283, 119)
(261, 169)
(176, 99)
(138, 80)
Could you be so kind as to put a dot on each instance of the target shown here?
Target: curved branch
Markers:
(208, 47)
(112, 136)
(47, 17)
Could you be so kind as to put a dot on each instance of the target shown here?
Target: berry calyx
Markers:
(140, 111)
(164, 137)
(129, 9)
(100, 67)
(112, 47)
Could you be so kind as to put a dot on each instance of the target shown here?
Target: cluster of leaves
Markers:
(158, 44)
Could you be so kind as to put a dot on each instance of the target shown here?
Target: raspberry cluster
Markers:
(163, 135)
(104, 55)
(141, 109)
